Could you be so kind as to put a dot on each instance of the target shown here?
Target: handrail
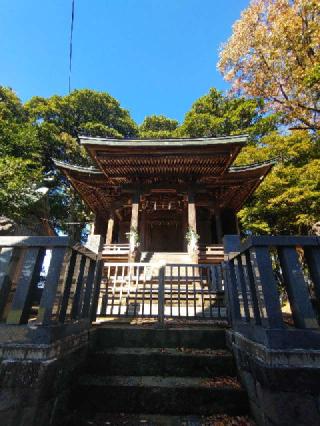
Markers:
(279, 240)
(70, 273)
(254, 275)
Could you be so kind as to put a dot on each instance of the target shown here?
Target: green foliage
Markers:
(288, 201)
(72, 113)
(20, 157)
(59, 120)
(31, 135)
(19, 179)
(100, 130)
(216, 115)
(11, 108)
(158, 127)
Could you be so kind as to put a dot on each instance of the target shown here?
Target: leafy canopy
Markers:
(288, 201)
(20, 157)
(216, 115)
(274, 54)
(157, 127)
(31, 135)
(19, 186)
(59, 120)
(81, 110)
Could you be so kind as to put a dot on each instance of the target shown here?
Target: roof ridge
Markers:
(222, 139)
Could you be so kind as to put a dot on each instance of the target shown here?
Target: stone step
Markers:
(107, 336)
(103, 419)
(165, 257)
(176, 289)
(161, 362)
(160, 395)
(168, 298)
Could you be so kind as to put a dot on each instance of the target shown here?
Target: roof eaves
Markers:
(239, 139)
(67, 166)
(253, 166)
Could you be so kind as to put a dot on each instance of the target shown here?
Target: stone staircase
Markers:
(175, 376)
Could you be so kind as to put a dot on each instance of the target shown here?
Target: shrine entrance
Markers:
(165, 232)
(163, 222)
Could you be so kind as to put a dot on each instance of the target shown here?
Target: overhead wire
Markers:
(71, 44)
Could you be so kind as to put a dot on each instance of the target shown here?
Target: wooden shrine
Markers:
(169, 195)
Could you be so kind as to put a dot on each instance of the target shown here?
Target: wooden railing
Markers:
(47, 280)
(129, 289)
(273, 288)
(163, 291)
(116, 248)
(116, 252)
(192, 291)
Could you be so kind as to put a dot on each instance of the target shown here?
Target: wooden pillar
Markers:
(92, 230)
(134, 226)
(134, 212)
(110, 228)
(192, 221)
(143, 230)
(192, 224)
(185, 227)
(99, 226)
(237, 223)
(219, 229)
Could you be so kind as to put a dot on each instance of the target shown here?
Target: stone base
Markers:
(35, 381)
(283, 386)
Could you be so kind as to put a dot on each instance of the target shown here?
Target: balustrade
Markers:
(261, 275)
(47, 281)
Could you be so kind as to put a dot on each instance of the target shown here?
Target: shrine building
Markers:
(165, 196)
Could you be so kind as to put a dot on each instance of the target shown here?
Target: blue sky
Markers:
(154, 56)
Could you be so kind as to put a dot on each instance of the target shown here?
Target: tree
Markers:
(20, 157)
(274, 54)
(216, 115)
(31, 135)
(158, 127)
(288, 201)
(19, 186)
(59, 121)
(79, 111)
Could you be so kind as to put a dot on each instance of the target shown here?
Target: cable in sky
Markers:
(70, 45)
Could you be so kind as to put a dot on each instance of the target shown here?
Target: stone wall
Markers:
(283, 386)
(35, 380)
